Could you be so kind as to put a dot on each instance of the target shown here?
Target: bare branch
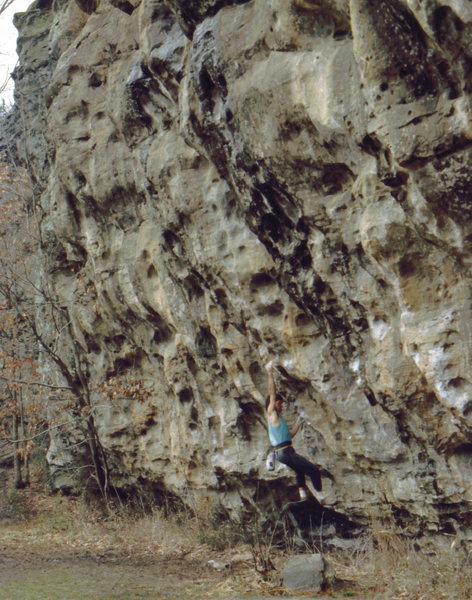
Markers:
(46, 385)
(4, 4)
(4, 84)
(47, 430)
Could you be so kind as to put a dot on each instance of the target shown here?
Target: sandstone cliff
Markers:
(219, 180)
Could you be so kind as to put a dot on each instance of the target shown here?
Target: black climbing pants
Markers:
(301, 466)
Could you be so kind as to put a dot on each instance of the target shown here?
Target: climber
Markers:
(281, 439)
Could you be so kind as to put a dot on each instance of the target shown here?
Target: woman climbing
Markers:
(281, 439)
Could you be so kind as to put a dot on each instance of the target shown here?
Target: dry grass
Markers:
(387, 565)
(54, 525)
(66, 523)
(65, 531)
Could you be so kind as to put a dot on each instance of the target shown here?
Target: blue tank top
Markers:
(280, 433)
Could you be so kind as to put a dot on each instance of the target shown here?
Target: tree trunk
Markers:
(16, 454)
(99, 459)
(25, 453)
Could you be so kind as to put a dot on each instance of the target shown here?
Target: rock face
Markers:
(222, 180)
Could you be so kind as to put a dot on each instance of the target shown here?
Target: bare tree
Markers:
(24, 302)
(4, 84)
(4, 4)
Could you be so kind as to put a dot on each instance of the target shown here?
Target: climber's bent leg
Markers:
(301, 466)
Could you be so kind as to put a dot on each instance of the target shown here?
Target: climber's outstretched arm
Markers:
(271, 409)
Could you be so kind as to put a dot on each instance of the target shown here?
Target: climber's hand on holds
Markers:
(269, 366)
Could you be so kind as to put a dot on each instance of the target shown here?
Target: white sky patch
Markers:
(8, 57)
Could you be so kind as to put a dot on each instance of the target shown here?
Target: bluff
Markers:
(220, 181)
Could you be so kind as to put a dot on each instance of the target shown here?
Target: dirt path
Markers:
(71, 577)
(55, 576)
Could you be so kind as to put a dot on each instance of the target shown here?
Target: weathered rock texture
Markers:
(219, 179)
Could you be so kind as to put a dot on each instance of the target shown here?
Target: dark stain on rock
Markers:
(446, 184)
(73, 204)
(185, 395)
(335, 176)
(371, 144)
(192, 286)
(205, 343)
(411, 56)
(87, 6)
(123, 5)
(301, 258)
(408, 265)
(190, 14)
(396, 180)
(136, 119)
(369, 394)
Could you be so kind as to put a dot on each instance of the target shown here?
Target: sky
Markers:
(8, 55)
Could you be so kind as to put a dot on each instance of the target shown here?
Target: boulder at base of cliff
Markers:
(304, 572)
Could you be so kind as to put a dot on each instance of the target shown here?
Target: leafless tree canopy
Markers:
(4, 4)
(4, 83)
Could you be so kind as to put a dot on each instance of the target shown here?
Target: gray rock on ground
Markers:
(304, 572)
